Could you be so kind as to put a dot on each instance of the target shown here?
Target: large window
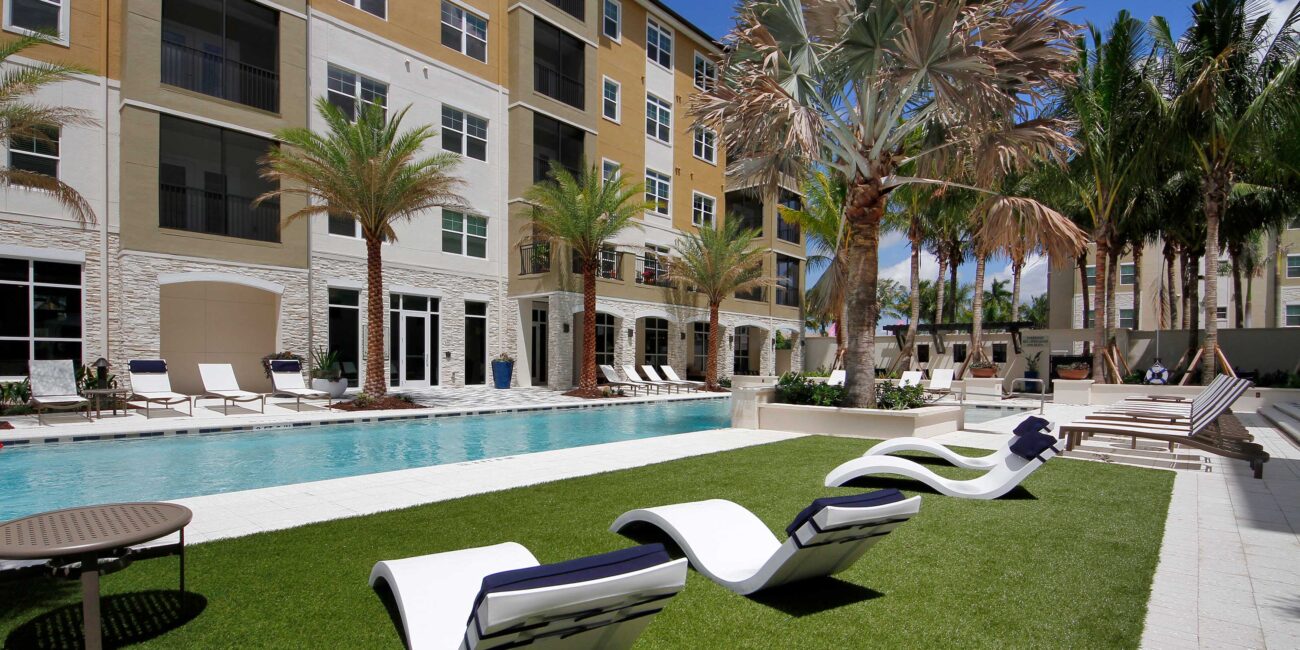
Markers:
(558, 141)
(41, 318)
(559, 62)
(345, 331)
(653, 266)
(706, 72)
(464, 234)
(702, 210)
(658, 190)
(349, 91)
(1127, 273)
(33, 16)
(999, 353)
(785, 230)
(609, 104)
(376, 7)
(699, 349)
(613, 19)
(605, 333)
(1292, 315)
(658, 119)
(787, 281)
(1126, 319)
(706, 144)
(746, 207)
(658, 43)
(464, 31)
(656, 342)
(1293, 266)
(208, 178)
(36, 154)
(224, 48)
(464, 134)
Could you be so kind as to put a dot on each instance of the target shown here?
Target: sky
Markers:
(715, 17)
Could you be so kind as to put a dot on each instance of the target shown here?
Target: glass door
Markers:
(415, 357)
(539, 343)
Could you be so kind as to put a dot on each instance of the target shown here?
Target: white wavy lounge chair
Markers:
(54, 388)
(499, 597)
(910, 378)
(219, 381)
(671, 375)
(1013, 463)
(286, 377)
(150, 384)
(611, 379)
(837, 378)
(630, 371)
(735, 549)
(654, 376)
(925, 445)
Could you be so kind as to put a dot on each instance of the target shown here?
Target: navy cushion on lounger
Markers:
(1030, 446)
(867, 500)
(1032, 424)
(583, 569)
(148, 366)
(285, 365)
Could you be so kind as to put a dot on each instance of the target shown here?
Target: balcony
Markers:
(218, 76)
(575, 8)
(550, 82)
(652, 272)
(217, 213)
(534, 258)
(757, 294)
(610, 266)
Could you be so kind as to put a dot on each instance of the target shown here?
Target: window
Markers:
(556, 141)
(575, 8)
(658, 119)
(464, 234)
(1292, 315)
(747, 207)
(45, 16)
(376, 7)
(653, 266)
(658, 43)
(208, 178)
(999, 353)
(464, 32)
(38, 154)
(42, 315)
(1221, 312)
(1089, 319)
(785, 230)
(787, 281)
(706, 144)
(613, 19)
(1293, 266)
(923, 353)
(345, 330)
(223, 48)
(658, 189)
(605, 332)
(609, 105)
(1126, 319)
(706, 72)
(699, 348)
(702, 210)
(958, 352)
(656, 342)
(1091, 273)
(463, 133)
(344, 226)
(609, 170)
(1295, 223)
(559, 61)
(1127, 273)
(346, 89)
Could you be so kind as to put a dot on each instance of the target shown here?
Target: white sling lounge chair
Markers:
(1031, 424)
(671, 375)
(735, 549)
(286, 376)
(54, 388)
(630, 371)
(499, 597)
(611, 379)
(219, 381)
(910, 378)
(1014, 462)
(654, 376)
(837, 378)
(940, 382)
(151, 385)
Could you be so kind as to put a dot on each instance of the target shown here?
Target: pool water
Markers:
(977, 414)
(40, 477)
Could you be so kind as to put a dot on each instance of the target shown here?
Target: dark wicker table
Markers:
(88, 541)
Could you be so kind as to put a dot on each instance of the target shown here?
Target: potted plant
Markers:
(1031, 364)
(502, 368)
(984, 369)
(327, 373)
(1074, 370)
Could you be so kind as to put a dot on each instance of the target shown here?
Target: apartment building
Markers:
(1274, 299)
(188, 94)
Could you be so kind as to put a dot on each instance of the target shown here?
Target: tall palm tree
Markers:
(844, 85)
(718, 262)
(1230, 83)
(584, 213)
(22, 119)
(821, 220)
(369, 170)
(997, 301)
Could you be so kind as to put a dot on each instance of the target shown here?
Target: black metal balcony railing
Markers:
(757, 294)
(609, 266)
(551, 83)
(787, 297)
(534, 258)
(216, 75)
(575, 8)
(652, 273)
(217, 213)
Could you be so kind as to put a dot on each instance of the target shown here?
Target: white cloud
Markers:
(902, 271)
(893, 238)
(1033, 278)
(1277, 12)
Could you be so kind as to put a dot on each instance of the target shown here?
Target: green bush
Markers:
(819, 372)
(899, 398)
(14, 393)
(724, 382)
(797, 388)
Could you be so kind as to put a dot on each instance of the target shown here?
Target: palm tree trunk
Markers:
(1171, 288)
(864, 210)
(376, 383)
(1137, 285)
(1185, 267)
(1082, 264)
(938, 289)
(711, 366)
(587, 375)
(1112, 305)
(1239, 309)
(909, 346)
(1216, 187)
(1016, 269)
(1249, 282)
(1099, 312)
(977, 309)
(952, 280)
(1192, 296)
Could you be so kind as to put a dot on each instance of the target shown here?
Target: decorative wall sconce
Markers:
(565, 327)
(631, 332)
(683, 335)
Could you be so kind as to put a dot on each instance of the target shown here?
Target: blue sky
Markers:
(715, 17)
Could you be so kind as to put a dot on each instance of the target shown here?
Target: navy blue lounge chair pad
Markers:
(583, 569)
(148, 366)
(285, 365)
(1031, 424)
(866, 500)
(1030, 446)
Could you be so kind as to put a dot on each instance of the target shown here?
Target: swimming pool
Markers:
(36, 478)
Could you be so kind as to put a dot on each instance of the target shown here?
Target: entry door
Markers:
(539, 343)
(415, 350)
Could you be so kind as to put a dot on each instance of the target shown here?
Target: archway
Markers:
(606, 343)
(212, 321)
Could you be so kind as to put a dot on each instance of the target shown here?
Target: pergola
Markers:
(939, 329)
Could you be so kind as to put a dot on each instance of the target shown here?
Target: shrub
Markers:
(899, 398)
(725, 382)
(819, 372)
(797, 388)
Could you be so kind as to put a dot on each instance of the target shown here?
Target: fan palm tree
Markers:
(22, 120)
(719, 262)
(1231, 86)
(844, 85)
(369, 170)
(821, 220)
(584, 213)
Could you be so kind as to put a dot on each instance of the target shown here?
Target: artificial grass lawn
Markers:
(1065, 562)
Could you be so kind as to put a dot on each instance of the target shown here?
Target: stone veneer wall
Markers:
(451, 291)
(1290, 296)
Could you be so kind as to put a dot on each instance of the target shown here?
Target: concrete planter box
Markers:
(983, 388)
(747, 381)
(1072, 391)
(924, 422)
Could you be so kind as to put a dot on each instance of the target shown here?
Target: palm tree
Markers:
(370, 171)
(584, 213)
(24, 120)
(821, 220)
(1037, 311)
(718, 262)
(1231, 87)
(997, 301)
(842, 85)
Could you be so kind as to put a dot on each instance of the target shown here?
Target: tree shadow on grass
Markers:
(1017, 493)
(814, 596)
(128, 619)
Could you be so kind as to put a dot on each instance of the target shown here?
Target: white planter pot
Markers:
(334, 388)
